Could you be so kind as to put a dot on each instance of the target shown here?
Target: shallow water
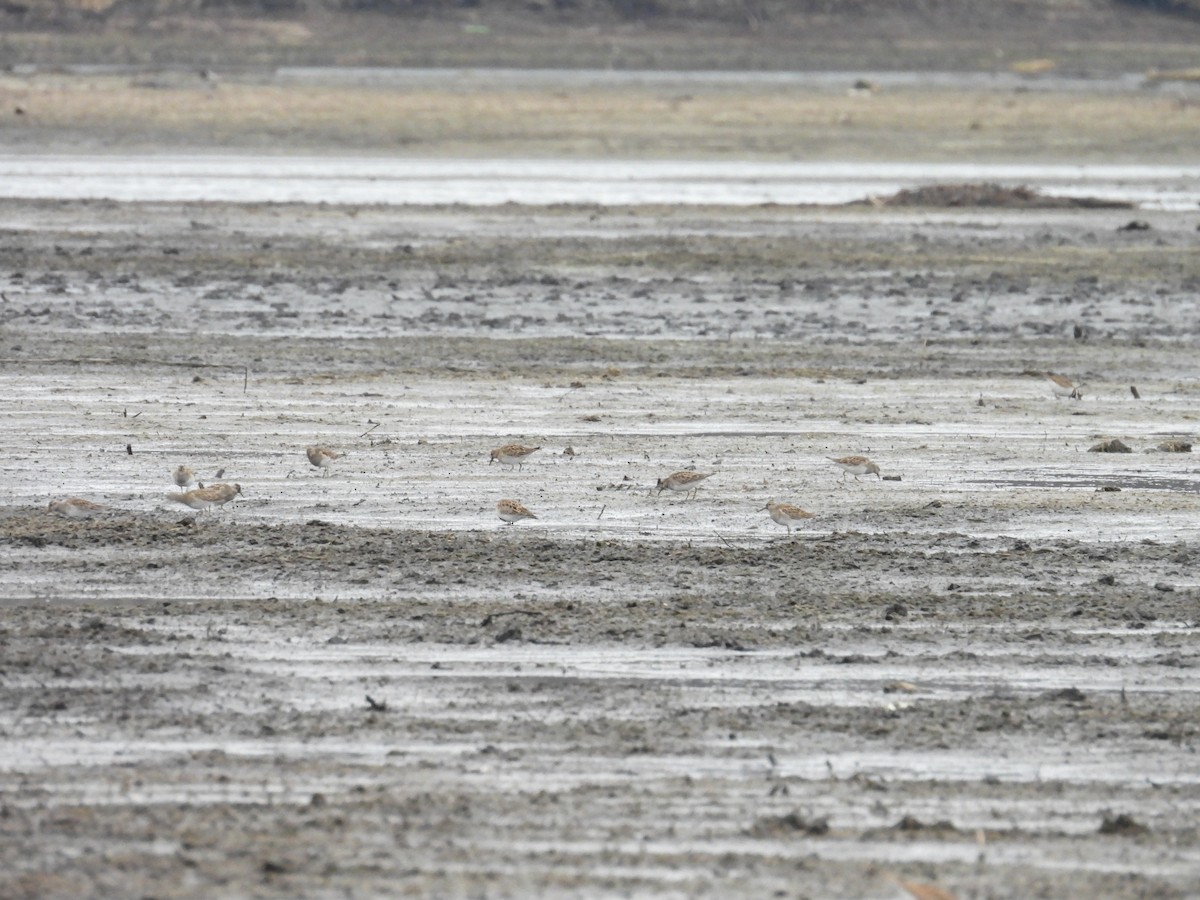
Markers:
(488, 182)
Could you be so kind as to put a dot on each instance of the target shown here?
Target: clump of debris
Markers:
(988, 194)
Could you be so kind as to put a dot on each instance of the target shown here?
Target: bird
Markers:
(856, 465)
(183, 476)
(785, 514)
(921, 890)
(1062, 386)
(686, 481)
(321, 457)
(207, 497)
(511, 511)
(75, 508)
(512, 455)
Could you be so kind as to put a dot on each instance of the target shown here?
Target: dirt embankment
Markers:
(951, 35)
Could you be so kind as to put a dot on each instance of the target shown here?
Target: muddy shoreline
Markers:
(979, 675)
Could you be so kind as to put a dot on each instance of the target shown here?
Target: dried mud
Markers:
(981, 674)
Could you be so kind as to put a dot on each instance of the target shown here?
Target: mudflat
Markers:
(977, 670)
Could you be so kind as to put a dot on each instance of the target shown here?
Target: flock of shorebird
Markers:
(201, 497)
(510, 511)
(198, 498)
(684, 481)
(688, 482)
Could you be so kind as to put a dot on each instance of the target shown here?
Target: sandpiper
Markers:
(75, 508)
(1062, 386)
(321, 457)
(512, 455)
(685, 481)
(207, 497)
(785, 514)
(856, 465)
(511, 511)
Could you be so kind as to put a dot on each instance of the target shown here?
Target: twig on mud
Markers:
(374, 425)
(987, 302)
(376, 705)
(722, 537)
(602, 509)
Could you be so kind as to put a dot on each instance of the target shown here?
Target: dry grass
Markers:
(635, 121)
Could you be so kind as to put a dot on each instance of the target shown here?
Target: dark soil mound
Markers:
(989, 194)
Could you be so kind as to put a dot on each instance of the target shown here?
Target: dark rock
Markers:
(1070, 695)
(1122, 824)
(790, 823)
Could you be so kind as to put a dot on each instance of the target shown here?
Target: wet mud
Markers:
(978, 671)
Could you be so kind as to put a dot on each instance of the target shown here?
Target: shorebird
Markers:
(183, 476)
(922, 890)
(785, 514)
(321, 457)
(75, 508)
(1062, 386)
(207, 497)
(511, 511)
(512, 455)
(856, 465)
(687, 482)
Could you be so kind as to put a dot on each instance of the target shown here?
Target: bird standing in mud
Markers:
(511, 511)
(685, 481)
(75, 508)
(207, 497)
(785, 514)
(183, 476)
(856, 465)
(1062, 386)
(321, 457)
(512, 455)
